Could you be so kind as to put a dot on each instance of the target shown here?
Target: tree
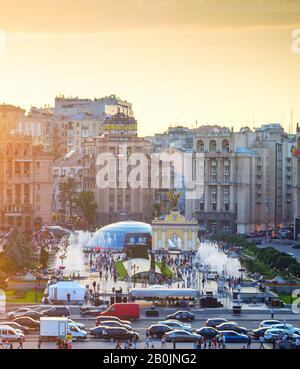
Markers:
(18, 252)
(67, 195)
(84, 201)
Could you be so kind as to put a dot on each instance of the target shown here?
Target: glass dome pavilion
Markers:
(118, 235)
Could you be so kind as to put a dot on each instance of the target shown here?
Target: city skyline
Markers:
(178, 62)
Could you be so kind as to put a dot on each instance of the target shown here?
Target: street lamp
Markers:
(37, 269)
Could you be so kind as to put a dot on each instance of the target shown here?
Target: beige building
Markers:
(117, 201)
(25, 182)
(248, 179)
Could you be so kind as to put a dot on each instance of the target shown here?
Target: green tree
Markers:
(85, 203)
(67, 196)
(18, 252)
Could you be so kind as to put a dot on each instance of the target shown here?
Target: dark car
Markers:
(99, 332)
(120, 334)
(181, 336)
(28, 322)
(182, 315)
(115, 324)
(15, 325)
(90, 310)
(157, 330)
(214, 322)
(57, 311)
(258, 332)
(231, 327)
(207, 332)
(102, 319)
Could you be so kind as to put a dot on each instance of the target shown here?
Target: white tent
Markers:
(60, 290)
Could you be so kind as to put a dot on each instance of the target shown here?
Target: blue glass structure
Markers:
(117, 236)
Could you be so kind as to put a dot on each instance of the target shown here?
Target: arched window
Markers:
(17, 149)
(26, 149)
(200, 146)
(225, 146)
(213, 146)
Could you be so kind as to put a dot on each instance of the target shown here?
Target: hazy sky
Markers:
(220, 62)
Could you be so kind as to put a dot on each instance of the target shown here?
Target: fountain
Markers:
(214, 259)
(74, 258)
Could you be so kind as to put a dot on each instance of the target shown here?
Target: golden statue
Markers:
(174, 199)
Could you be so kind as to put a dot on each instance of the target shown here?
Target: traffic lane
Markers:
(143, 325)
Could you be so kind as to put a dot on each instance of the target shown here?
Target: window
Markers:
(200, 146)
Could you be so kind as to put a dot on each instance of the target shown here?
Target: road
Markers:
(250, 321)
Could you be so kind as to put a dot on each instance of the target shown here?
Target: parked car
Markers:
(182, 316)
(99, 331)
(120, 334)
(90, 310)
(181, 336)
(175, 324)
(269, 323)
(57, 311)
(231, 326)
(207, 332)
(9, 334)
(158, 330)
(102, 319)
(15, 325)
(258, 332)
(214, 322)
(30, 313)
(13, 314)
(287, 327)
(234, 337)
(276, 333)
(28, 322)
(114, 323)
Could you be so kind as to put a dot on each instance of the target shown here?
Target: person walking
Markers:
(261, 341)
(297, 343)
(163, 342)
(69, 297)
(272, 313)
(118, 346)
(249, 341)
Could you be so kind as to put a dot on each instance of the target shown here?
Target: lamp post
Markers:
(37, 269)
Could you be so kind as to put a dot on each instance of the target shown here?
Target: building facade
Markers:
(25, 182)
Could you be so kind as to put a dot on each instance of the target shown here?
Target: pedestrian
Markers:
(261, 341)
(249, 341)
(7, 345)
(118, 346)
(297, 343)
(20, 347)
(273, 343)
(147, 342)
(40, 343)
(163, 342)
(69, 297)
(1, 342)
(272, 313)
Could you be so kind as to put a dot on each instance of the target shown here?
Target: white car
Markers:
(289, 328)
(77, 334)
(277, 333)
(9, 334)
(269, 323)
(176, 324)
(79, 325)
(14, 314)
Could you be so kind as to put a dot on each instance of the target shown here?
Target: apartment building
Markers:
(9, 117)
(25, 182)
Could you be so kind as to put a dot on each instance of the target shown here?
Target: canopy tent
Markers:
(60, 291)
(164, 292)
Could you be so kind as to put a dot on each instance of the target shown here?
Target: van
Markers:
(128, 311)
(77, 334)
(9, 334)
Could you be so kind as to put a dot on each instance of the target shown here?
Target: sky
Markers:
(178, 61)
